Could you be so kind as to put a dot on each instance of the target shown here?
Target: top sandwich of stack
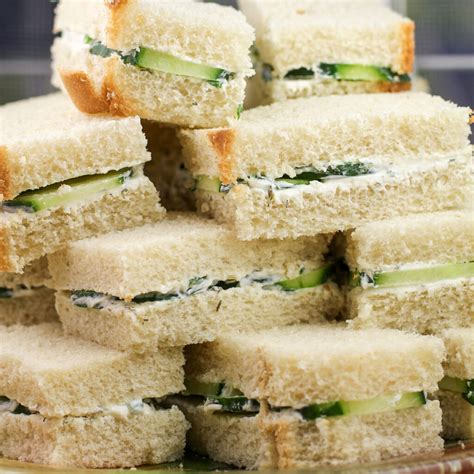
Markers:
(176, 62)
(323, 164)
(66, 176)
(306, 48)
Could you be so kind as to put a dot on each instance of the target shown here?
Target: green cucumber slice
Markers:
(424, 275)
(150, 59)
(205, 183)
(78, 188)
(358, 72)
(379, 404)
(237, 404)
(452, 384)
(307, 280)
(204, 389)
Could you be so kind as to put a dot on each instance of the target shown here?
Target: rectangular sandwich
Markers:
(166, 169)
(24, 298)
(324, 164)
(456, 389)
(309, 396)
(305, 48)
(68, 402)
(413, 273)
(66, 176)
(176, 62)
(186, 280)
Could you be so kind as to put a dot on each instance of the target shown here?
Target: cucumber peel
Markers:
(463, 386)
(358, 72)
(77, 189)
(379, 404)
(307, 280)
(416, 276)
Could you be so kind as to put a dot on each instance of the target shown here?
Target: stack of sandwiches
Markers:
(311, 303)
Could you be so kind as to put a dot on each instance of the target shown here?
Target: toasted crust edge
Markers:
(222, 142)
(5, 261)
(5, 181)
(407, 55)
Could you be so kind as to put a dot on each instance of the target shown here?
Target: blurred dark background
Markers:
(444, 31)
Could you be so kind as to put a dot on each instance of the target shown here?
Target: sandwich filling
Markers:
(69, 192)
(199, 285)
(153, 60)
(465, 387)
(124, 411)
(412, 275)
(19, 291)
(222, 398)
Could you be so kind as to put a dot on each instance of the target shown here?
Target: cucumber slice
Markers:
(150, 59)
(424, 275)
(307, 280)
(452, 384)
(358, 72)
(237, 404)
(379, 404)
(77, 189)
(194, 387)
(205, 183)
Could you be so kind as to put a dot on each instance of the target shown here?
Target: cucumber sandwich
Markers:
(325, 164)
(24, 298)
(67, 176)
(456, 389)
(182, 62)
(413, 273)
(68, 402)
(186, 280)
(306, 396)
(306, 48)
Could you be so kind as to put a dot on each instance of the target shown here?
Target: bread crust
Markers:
(5, 260)
(407, 56)
(5, 182)
(222, 142)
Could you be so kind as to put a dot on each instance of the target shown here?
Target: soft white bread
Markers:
(339, 204)
(291, 35)
(443, 237)
(165, 256)
(203, 33)
(32, 306)
(24, 237)
(460, 352)
(299, 365)
(202, 317)
(59, 375)
(166, 169)
(34, 275)
(458, 415)
(383, 129)
(200, 32)
(49, 136)
(101, 441)
(285, 440)
(426, 309)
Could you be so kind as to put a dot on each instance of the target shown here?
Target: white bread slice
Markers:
(59, 375)
(204, 33)
(166, 169)
(383, 129)
(285, 440)
(460, 352)
(443, 237)
(101, 441)
(340, 204)
(291, 35)
(34, 307)
(458, 414)
(207, 34)
(202, 317)
(426, 309)
(260, 92)
(299, 365)
(165, 256)
(94, 442)
(49, 136)
(25, 237)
